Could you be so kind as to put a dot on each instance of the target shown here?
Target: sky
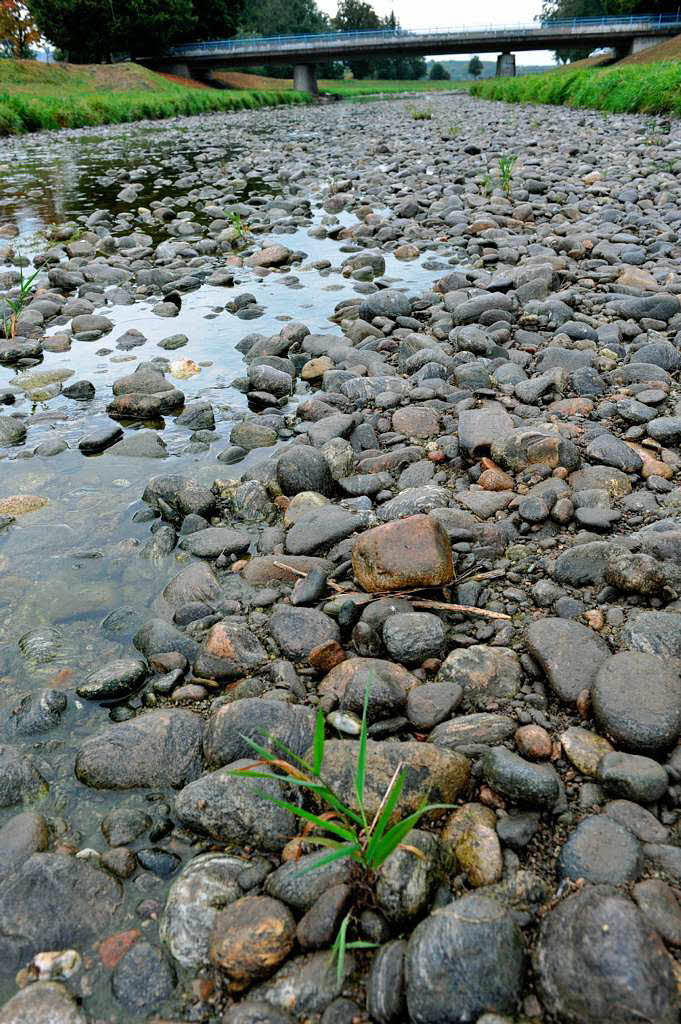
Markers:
(422, 14)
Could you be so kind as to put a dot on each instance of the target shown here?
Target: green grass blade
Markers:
(360, 776)
(385, 817)
(289, 753)
(300, 812)
(262, 752)
(392, 839)
(338, 949)
(318, 747)
(345, 851)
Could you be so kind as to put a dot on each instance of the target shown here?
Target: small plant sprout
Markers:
(506, 164)
(487, 185)
(240, 229)
(422, 115)
(347, 833)
(18, 304)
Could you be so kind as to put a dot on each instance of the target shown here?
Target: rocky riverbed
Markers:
(443, 462)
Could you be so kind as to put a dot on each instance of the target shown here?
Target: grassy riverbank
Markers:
(38, 97)
(630, 88)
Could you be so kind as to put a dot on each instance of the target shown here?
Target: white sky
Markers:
(421, 14)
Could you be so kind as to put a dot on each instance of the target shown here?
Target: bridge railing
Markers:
(249, 44)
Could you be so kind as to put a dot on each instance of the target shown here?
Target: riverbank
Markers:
(626, 88)
(320, 416)
(43, 97)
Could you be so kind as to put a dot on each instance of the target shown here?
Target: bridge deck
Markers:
(592, 32)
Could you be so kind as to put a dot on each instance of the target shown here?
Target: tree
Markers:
(90, 31)
(217, 19)
(438, 73)
(281, 18)
(18, 31)
(357, 16)
(475, 67)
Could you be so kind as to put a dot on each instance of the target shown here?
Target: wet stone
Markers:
(231, 809)
(157, 748)
(143, 979)
(44, 1002)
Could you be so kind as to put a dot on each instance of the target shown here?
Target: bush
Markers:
(439, 73)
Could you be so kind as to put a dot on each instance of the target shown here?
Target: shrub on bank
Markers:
(631, 89)
(25, 113)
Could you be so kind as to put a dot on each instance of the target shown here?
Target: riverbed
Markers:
(491, 361)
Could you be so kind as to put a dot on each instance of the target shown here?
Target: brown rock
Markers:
(407, 252)
(251, 937)
(416, 421)
(534, 742)
(496, 480)
(409, 552)
(114, 948)
(651, 465)
(479, 854)
(316, 368)
(584, 749)
(120, 861)
(230, 650)
(270, 256)
(326, 656)
(464, 818)
(21, 504)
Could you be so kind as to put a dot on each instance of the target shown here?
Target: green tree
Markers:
(90, 31)
(282, 18)
(475, 67)
(216, 19)
(357, 16)
(438, 73)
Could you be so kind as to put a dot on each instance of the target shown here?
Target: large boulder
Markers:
(412, 552)
(53, 902)
(158, 748)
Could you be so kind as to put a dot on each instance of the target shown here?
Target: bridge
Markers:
(624, 35)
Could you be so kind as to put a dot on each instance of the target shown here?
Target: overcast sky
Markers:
(444, 14)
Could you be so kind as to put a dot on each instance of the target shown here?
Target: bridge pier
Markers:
(506, 65)
(181, 69)
(644, 42)
(305, 79)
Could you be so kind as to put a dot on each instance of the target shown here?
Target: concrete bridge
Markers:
(625, 35)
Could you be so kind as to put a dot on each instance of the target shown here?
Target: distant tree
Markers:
(475, 67)
(216, 19)
(18, 30)
(357, 16)
(438, 73)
